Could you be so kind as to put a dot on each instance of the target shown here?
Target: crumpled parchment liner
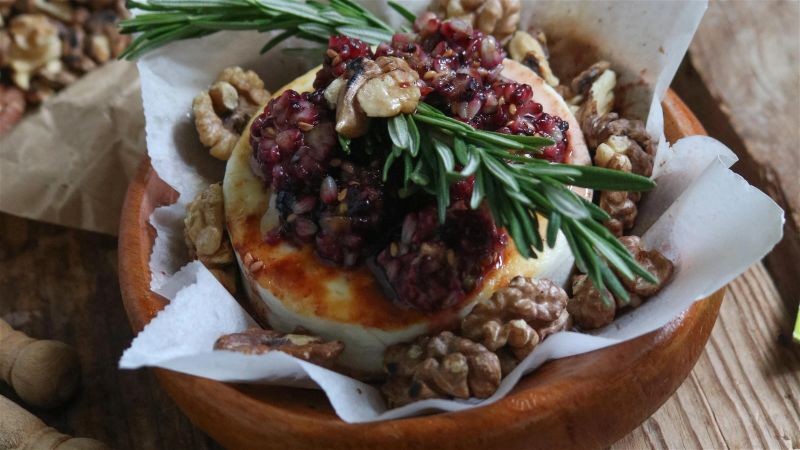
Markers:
(694, 215)
(69, 162)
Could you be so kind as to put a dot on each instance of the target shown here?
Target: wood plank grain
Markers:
(744, 391)
(62, 284)
(742, 81)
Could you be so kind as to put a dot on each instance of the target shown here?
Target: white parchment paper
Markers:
(703, 216)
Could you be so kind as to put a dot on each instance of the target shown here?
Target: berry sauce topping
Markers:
(337, 201)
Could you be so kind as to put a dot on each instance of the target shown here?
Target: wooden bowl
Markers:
(585, 401)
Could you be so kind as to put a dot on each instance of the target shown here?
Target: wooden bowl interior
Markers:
(585, 401)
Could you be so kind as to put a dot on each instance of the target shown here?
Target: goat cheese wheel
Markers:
(289, 287)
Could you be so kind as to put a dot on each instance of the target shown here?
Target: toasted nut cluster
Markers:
(620, 152)
(499, 18)
(384, 87)
(46, 45)
(440, 366)
(256, 341)
(619, 144)
(518, 316)
(531, 50)
(222, 112)
(204, 232)
(588, 308)
(12, 106)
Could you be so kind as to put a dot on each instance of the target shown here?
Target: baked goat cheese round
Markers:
(290, 287)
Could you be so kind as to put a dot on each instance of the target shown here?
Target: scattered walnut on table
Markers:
(518, 316)
(256, 341)
(222, 112)
(532, 51)
(205, 235)
(499, 18)
(439, 366)
(595, 88)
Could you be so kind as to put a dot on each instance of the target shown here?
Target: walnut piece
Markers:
(590, 310)
(393, 92)
(622, 209)
(12, 106)
(499, 18)
(598, 98)
(439, 366)
(653, 261)
(532, 52)
(222, 112)
(515, 316)
(385, 87)
(587, 307)
(256, 341)
(34, 46)
(204, 232)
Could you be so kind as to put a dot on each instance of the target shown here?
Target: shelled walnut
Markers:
(34, 46)
(499, 18)
(256, 341)
(206, 238)
(590, 310)
(531, 50)
(518, 316)
(385, 87)
(595, 86)
(439, 366)
(222, 112)
(653, 261)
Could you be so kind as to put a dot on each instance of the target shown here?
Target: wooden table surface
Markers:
(743, 81)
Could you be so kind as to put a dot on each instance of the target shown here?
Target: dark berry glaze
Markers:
(338, 203)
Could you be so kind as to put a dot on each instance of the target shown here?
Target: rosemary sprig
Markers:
(431, 146)
(164, 21)
(516, 188)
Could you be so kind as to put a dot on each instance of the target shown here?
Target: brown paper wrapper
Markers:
(70, 161)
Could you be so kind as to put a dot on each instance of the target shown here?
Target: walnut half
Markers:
(532, 51)
(518, 316)
(222, 112)
(206, 238)
(256, 341)
(590, 310)
(440, 366)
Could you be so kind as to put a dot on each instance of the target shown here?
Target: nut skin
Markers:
(516, 315)
(439, 366)
(256, 341)
(222, 112)
(499, 18)
(205, 235)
